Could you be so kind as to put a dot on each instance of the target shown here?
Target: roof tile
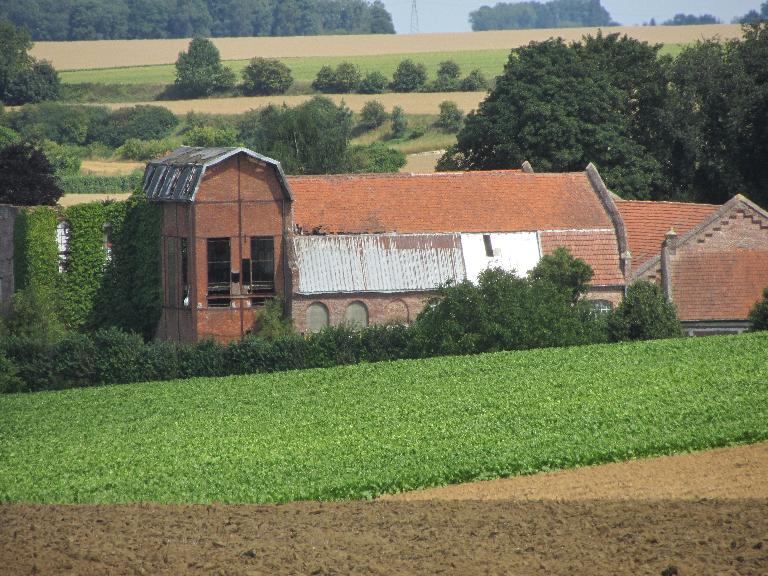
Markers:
(599, 248)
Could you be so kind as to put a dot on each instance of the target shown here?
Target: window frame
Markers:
(219, 293)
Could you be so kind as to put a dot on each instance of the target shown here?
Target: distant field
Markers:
(121, 53)
(357, 431)
(490, 62)
(427, 103)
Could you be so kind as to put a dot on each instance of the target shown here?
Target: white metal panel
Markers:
(518, 251)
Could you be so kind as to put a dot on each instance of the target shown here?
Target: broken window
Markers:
(184, 273)
(170, 272)
(219, 269)
(63, 233)
(601, 306)
(107, 228)
(261, 266)
(488, 245)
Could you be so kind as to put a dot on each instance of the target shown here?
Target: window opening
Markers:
(108, 240)
(488, 245)
(184, 273)
(63, 233)
(317, 317)
(356, 315)
(261, 273)
(219, 267)
(171, 275)
(602, 306)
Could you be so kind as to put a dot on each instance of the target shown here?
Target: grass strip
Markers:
(357, 431)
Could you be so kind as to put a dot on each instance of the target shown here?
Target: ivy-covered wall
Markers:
(93, 292)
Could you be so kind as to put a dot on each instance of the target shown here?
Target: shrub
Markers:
(57, 122)
(373, 115)
(266, 76)
(64, 159)
(570, 275)
(9, 376)
(97, 184)
(373, 83)
(209, 136)
(474, 82)
(199, 71)
(37, 82)
(143, 150)
(376, 157)
(447, 77)
(399, 122)
(344, 79)
(450, 117)
(758, 315)
(141, 122)
(409, 77)
(117, 356)
(644, 314)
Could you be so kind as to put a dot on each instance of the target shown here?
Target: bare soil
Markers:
(81, 55)
(707, 515)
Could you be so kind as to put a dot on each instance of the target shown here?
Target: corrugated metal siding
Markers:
(376, 263)
(518, 251)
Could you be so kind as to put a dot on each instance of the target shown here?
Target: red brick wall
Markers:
(237, 199)
(381, 307)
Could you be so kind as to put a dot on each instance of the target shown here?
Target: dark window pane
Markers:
(262, 264)
(219, 268)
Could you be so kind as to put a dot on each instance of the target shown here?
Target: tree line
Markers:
(114, 19)
(692, 128)
(553, 14)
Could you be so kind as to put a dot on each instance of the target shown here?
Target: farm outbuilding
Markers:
(372, 248)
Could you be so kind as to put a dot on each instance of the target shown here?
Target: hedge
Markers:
(95, 184)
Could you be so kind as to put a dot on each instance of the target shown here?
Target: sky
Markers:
(453, 15)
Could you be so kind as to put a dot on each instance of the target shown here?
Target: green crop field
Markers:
(357, 431)
(490, 62)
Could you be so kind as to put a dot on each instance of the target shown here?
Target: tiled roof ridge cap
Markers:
(667, 202)
(406, 175)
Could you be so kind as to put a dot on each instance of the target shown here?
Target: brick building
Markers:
(372, 248)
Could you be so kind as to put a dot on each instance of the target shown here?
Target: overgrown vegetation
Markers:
(758, 315)
(358, 431)
(23, 78)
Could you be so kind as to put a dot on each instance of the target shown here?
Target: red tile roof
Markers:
(719, 285)
(648, 222)
(598, 248)
(495, 201)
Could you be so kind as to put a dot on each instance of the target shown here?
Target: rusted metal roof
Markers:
(177, 176)
(376, 263)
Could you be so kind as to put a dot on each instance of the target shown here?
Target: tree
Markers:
(373, 115)
(553, 14)
(199, 71)
(345, 78)
(266, 76)
(373, 83)
(474, 82)
(561, 107)
(644, 314)
(22, 78)
(399, 122)
(409, 77)
(28, 178)
(571, 275)
(450, 117)
(690, 19)
(447, 77)
(758, 315)
(376, 157)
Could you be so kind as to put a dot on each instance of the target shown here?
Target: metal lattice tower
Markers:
(414, 18)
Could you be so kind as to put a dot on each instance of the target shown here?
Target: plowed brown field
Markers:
(83, 55)
(704, 513)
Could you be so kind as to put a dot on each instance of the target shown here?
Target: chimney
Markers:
(626, 266)
(668, 248)
(527, 168)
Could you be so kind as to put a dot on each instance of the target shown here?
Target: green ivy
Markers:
(35, 252)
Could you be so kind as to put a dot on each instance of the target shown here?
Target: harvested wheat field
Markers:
(109, 167)
(73, 199)
(704, 513)
(422, 162)
(83, 55)
(415, 103)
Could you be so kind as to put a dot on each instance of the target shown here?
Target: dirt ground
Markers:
(704, 513)
(88, 54)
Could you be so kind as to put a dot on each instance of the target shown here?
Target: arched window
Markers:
(601, 306)
(356, 315)
(317, 317)
(63, 232)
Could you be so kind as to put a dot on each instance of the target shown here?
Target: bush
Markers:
(64, 159)
(450, 117)
(758, 316)
(143, 150)
(57, 122)
(474, 82)
(644, 314)
(208, 136)
(27, 177)
(140, 122)
(117, 356)
(409, 77)
(376, 157)
(199, 71)
(9, 376)
(570, 275)
(266, 76)
(345, 79)
(96, 184)
(447, 77)
(22, 78)
(373, 83)
(399, 122)
(373, 115)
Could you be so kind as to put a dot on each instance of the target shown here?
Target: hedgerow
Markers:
(96, 184)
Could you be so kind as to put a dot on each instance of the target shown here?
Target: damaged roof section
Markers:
(376, 263)
(177, 176)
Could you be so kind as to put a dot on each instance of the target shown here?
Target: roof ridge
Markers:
(672, 202)
(404, 175)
